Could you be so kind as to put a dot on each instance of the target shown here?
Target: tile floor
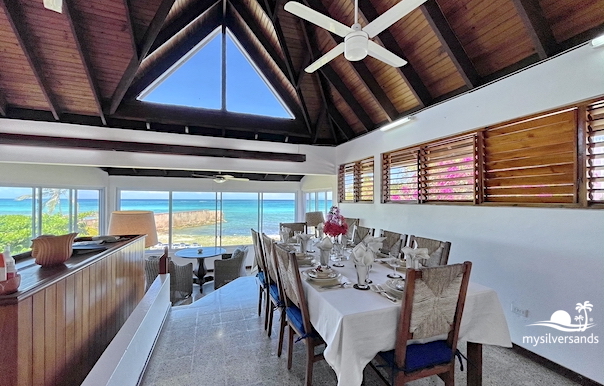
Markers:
(219, 340)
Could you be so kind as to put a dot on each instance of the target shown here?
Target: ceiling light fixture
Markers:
(397, 123)
(598, 42)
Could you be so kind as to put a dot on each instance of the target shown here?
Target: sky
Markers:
(197, 83)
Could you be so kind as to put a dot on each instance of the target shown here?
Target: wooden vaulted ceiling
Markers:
(88, 64)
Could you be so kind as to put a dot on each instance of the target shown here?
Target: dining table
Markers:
(357, 324)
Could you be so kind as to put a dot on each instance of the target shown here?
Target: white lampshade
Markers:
(134, 222)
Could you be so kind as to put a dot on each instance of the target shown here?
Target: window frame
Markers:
(354, 179)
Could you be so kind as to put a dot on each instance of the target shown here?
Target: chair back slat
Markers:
(361, 232)
(438, 250)
(269, 259)
(393, 242)
(259, 260)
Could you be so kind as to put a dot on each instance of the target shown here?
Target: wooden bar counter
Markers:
(57, 325)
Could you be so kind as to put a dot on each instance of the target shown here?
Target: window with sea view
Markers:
(27, 212)
(191, 219)
(319, 201)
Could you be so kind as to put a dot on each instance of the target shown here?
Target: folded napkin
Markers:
(414, 255)
(361, 255)
(325, 246)
(303, 238)
(320, 230)
(285, 234)
(373, 243)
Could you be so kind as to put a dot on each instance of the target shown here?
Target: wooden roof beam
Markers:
(408, 73)
(538, 27)
(216, 119)
(290, 73)
(146, 147)
(193, 10)
(176, 52)
(148, 39)
(131, 30)
(450, 43)
(71, 15)
(363, 72)
(15, 18)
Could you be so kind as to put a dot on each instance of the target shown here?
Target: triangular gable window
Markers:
(197, 81)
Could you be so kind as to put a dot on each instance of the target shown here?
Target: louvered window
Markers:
(399, 176)
(532, 161)
(447, 170)
(595, 153)
(355, 181)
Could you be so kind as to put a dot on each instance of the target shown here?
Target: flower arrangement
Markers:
(335, 224)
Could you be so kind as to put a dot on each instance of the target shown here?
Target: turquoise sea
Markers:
(239, 215)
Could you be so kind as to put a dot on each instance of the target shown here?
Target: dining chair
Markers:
(296, 309)
(428, 327)
(360, 233)
(230, 267)
(313, 219)
(438, 250)
(393, 242)
(352, 223)
(276, 300)
(293, 227)
(181, 277)
(262, 275)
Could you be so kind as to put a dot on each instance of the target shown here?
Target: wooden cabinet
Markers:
(56, 327)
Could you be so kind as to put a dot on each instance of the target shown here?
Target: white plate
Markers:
(396, 286)
(305, 262)
(312, 274)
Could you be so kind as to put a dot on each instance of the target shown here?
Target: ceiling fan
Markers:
(221, 178)
(357, 44)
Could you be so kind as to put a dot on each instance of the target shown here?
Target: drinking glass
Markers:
(394, 262)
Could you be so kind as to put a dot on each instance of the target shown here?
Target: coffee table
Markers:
(193, 253)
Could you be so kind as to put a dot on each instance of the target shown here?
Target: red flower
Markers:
(335, 224)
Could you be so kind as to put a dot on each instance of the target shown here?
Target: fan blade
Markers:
(239, 179)
(391, 16)
(330, 55)
(306, 13)
(380, 53)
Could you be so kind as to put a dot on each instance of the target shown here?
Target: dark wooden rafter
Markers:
(450, 43)
(145, 147)
(3, 105)
(260, 59)
(150, 35)
(363, 72)
(289, 67)
(538, 27)
(190, 116)
(72, 15)
(15, 18)
(333, 113)
(408, 73)
(193, 10)
(334, 79)
(131, 30)
(176, 52)
(582, 37)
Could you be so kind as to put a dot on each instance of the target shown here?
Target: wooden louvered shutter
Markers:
(399, 176)
(595, 153)
(532, 161)
(346, 182)
(364, 180)
(448, 170)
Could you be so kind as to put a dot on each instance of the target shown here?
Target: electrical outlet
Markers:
(519, 311)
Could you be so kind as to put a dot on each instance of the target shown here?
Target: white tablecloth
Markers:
(356, 325)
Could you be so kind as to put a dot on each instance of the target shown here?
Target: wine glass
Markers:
(394, 262)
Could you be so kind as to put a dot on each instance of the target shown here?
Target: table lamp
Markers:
(313, 219)
(134, 222)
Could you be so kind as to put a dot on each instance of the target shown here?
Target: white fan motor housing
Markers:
(355, 45)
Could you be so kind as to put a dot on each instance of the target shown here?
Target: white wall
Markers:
(540, 259)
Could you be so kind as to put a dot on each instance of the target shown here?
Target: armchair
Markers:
(230, 267)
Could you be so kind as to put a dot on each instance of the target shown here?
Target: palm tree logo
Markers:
(586, 306)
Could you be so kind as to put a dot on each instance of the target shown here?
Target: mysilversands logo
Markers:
(562, 321)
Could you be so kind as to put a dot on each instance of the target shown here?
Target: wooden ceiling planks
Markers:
(567, 20)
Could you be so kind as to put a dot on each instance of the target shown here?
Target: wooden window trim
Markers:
(359, 185)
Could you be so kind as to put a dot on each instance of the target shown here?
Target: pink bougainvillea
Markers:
(335, 224)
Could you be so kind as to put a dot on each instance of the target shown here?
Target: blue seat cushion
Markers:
(261, 277)
(294, 315)
(273, 290)
(422, 356)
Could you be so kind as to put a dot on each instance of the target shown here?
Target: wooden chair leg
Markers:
(261, 290)
(310, 353)
(270, 319)
(281, 332)
(267, 310)
(290, 347)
